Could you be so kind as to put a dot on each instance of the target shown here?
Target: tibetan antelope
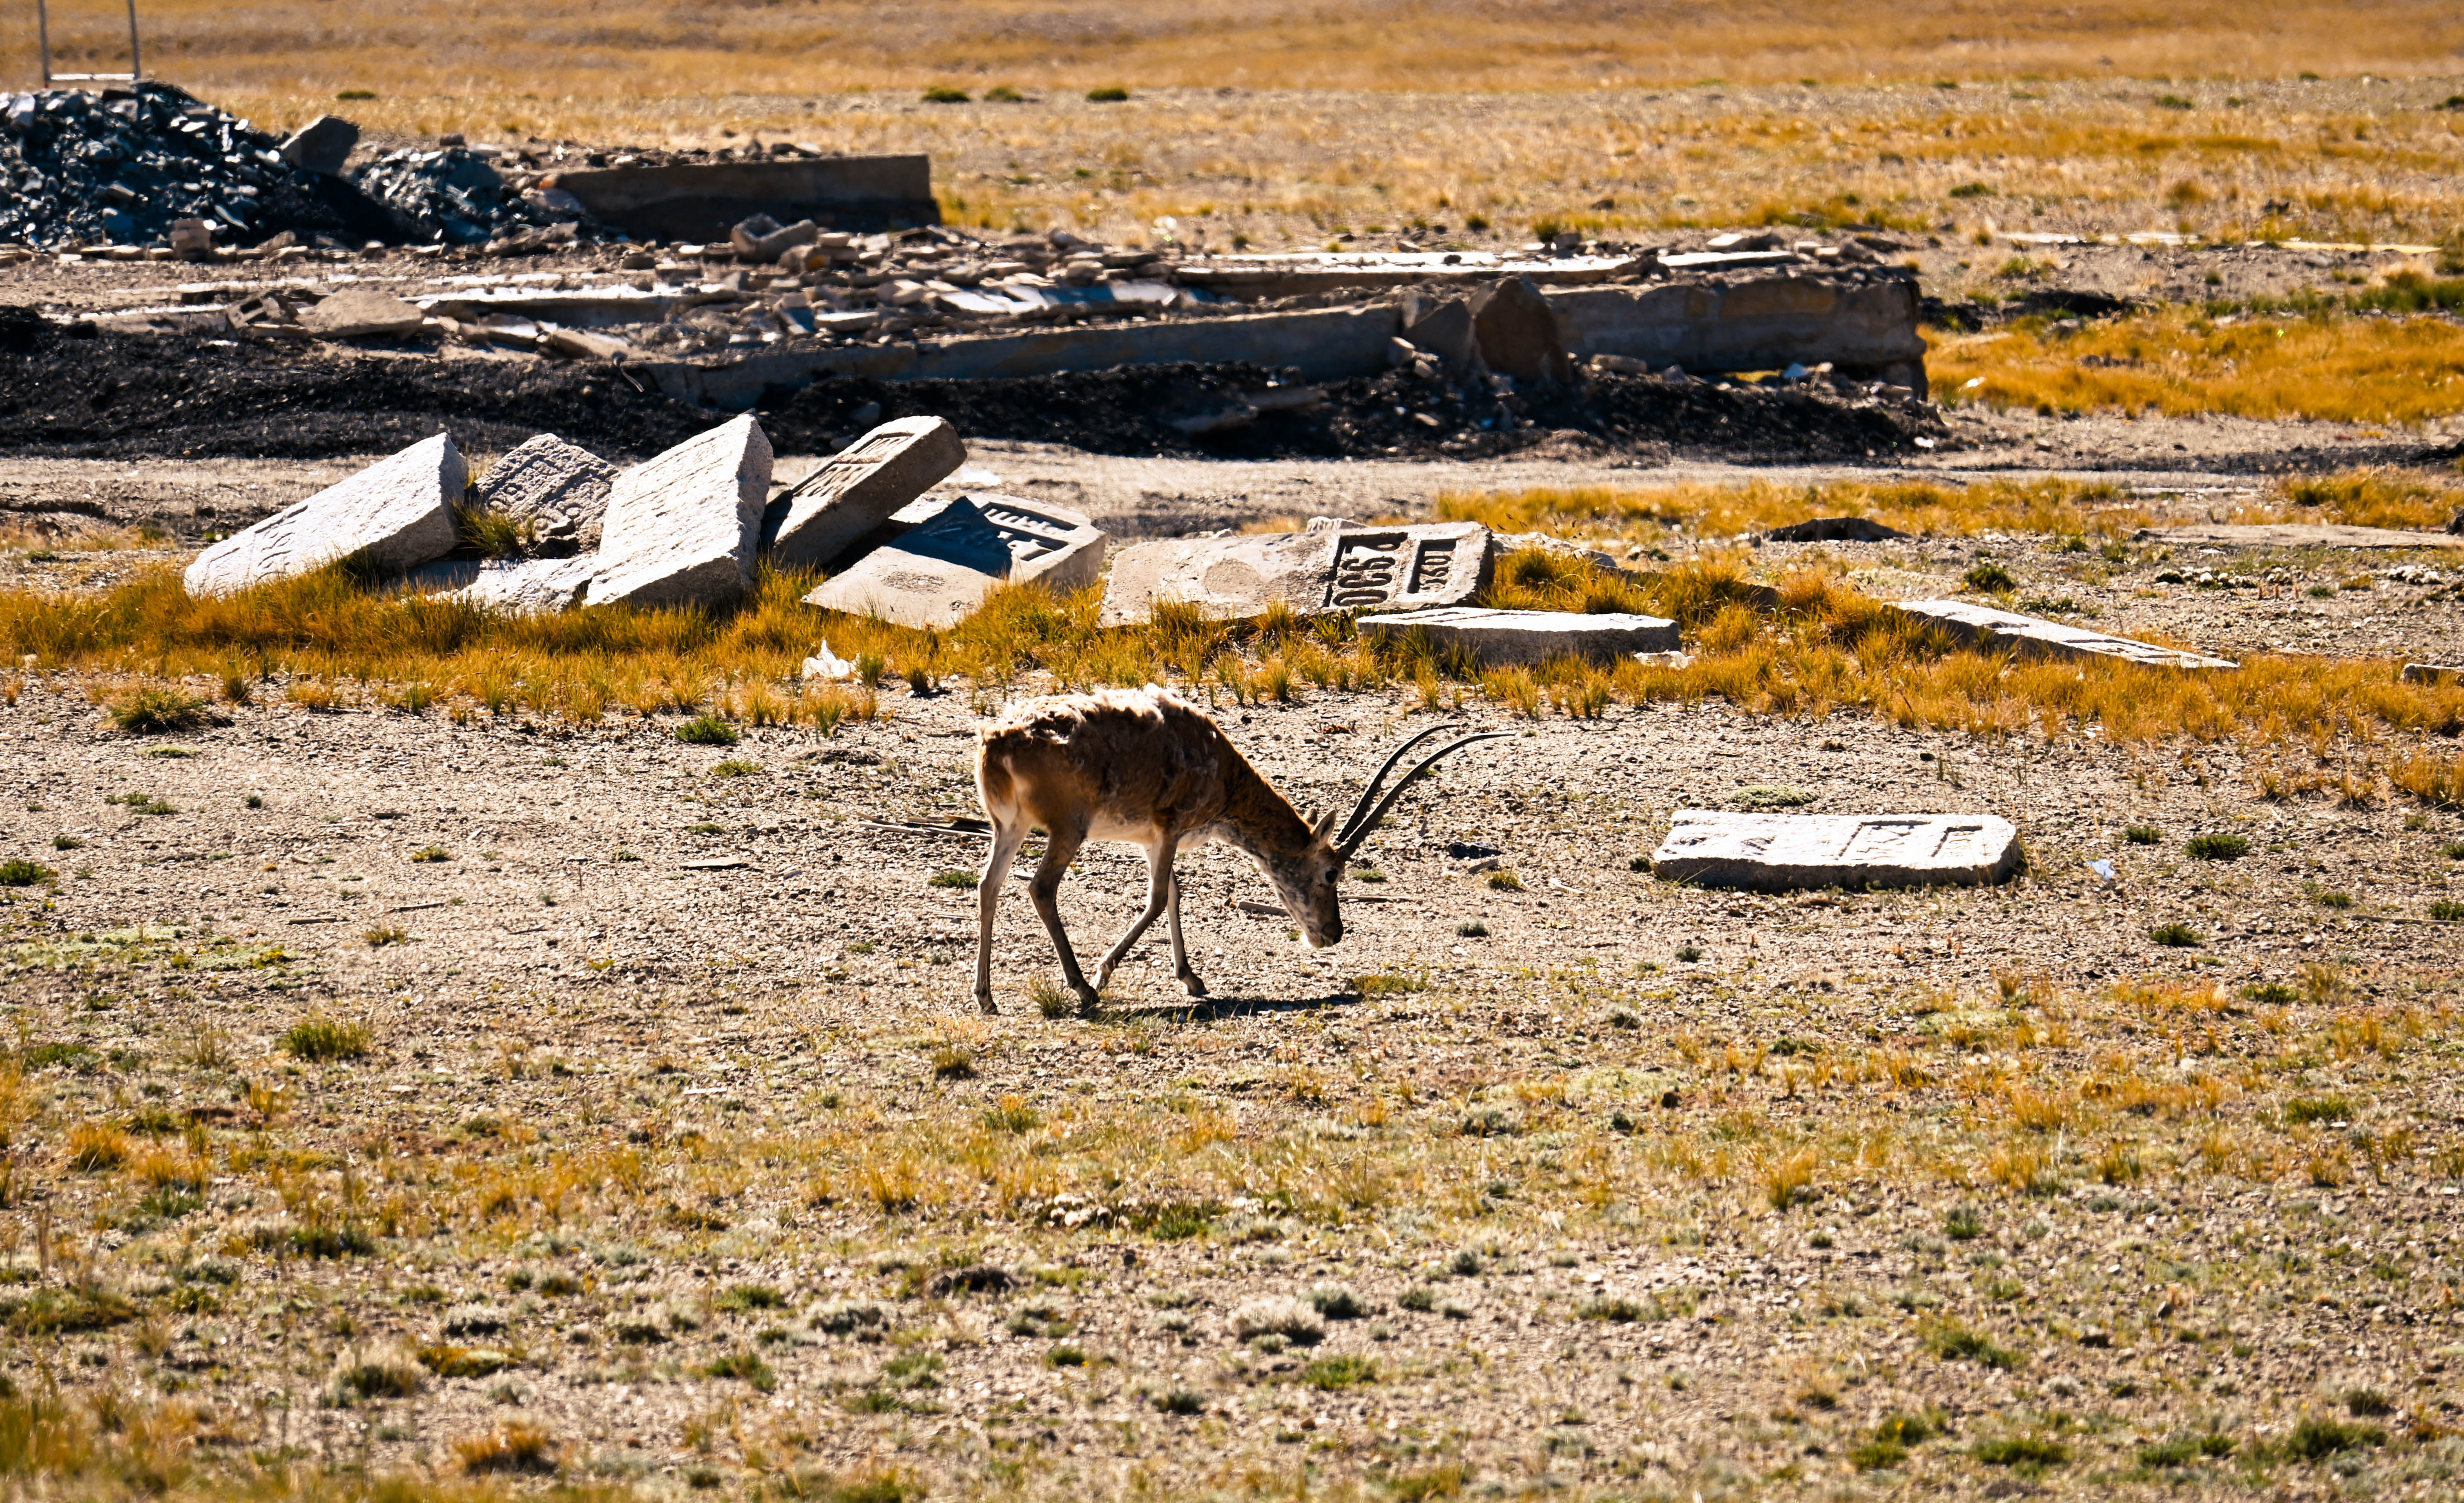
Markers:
(1147, 769)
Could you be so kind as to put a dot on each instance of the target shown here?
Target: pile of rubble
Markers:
(454, 196)
(122, 167)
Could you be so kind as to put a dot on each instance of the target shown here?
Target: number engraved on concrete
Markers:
(1434, 567)
(1364, 571)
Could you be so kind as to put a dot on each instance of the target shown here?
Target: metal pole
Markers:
(136, 67)
(43, 28)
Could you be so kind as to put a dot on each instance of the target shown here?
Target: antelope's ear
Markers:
(1323, 823)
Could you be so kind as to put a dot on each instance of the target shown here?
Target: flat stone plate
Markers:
(1773, 853)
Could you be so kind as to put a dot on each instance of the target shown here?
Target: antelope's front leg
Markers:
(1159, 898)
(988, 892)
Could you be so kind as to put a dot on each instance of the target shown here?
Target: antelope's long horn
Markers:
(1352, 838)
(1369, 794)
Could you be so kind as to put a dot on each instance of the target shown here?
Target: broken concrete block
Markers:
(939, 572)
(1498, 638)
(397, 513)
(322, 145)
(681, 528)
(578, 345)
(1442, 326)
(192, 239)
(529, 586)
(1771, 852)
(2030, 636)
(1834, 529)
(1333, 566)
(556, 491)
(824, 515)
(1519, 333)
(763, 238)
(361, 313)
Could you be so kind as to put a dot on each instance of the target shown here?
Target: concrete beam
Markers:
(1865, 323)
(702, 201)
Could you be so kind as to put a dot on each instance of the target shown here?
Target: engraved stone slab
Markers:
(2031, 636)
(398, 511)
(559, 490)
(1503, 637)
(858, 489)
(939, 571)
(1772, 853)
(1333, 566)
(680, 528)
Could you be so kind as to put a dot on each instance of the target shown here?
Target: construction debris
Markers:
(1333, 564)
(395, 514)
(361, 313)
(1502, 638)
(938, 574)
(555, 493)
(858, 489)
(681, 529)
(1772, 853)
(2032, 636)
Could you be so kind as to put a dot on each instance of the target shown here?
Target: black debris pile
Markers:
(454, 197)
(119, 166)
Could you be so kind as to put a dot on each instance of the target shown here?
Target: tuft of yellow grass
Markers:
(2176, 362)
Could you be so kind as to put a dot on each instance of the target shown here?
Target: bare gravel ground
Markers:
(1645, 1191)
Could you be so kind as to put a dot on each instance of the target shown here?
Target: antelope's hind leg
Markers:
(1006, 839)
(1188, 979)
(1059, 848)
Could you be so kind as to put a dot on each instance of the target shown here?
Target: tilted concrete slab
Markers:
(703, 201)
(397, 513)
(558, 491)
(530, 587)
(1333, 564)
(939, 571)
(2032, 636)
(1772, 852)
(1500, 639)
(361, 313)
(858, 488)
(681, 528)
(1859, 320)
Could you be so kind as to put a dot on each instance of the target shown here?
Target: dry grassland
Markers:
(1457, 123)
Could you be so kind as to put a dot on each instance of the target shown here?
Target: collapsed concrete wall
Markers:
(1862, 322)
(701, 201)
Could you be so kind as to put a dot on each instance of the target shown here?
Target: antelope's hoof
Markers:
(1191, 983)
(984, 1001)
(1089, 1002)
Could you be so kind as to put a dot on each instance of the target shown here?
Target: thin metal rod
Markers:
(136, 73)
(136, 68)
(43, 26)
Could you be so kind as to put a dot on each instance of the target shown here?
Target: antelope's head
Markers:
(1306, 879)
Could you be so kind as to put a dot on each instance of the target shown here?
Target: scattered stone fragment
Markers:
(1834, 529)
(939, 572)
(2031, 636)
(580, 344)
(822, 515)
(763, 238)
(1772, 853)
(1443, 327)
(361, 313)
(556, 491)
(1335, 565)
(398, 514)
(322, 145)
(1520, 335)
(680, 529)
(529, 586)
(826, 664)
(1502, 637)
(2432, 673)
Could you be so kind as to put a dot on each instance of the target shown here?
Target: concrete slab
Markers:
(1773, 853)
(1333, 564)
(704, 201)
(858, 488)
(361, 313)
(1520, 334)
(2432, 673)
(2031, 636)
(1862, 320)
(938, 572)
(1499, 638)
(530, 587)
(2299, 535)
(559, 491)
(398, 512)
(322, 145)
(681, 528)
